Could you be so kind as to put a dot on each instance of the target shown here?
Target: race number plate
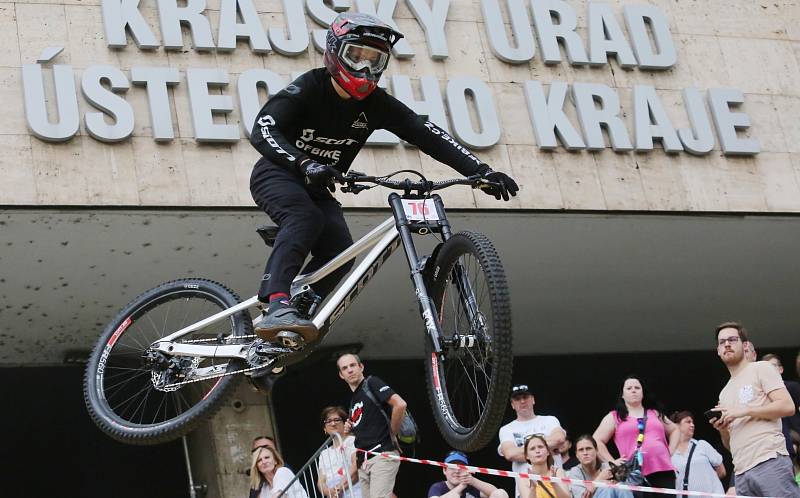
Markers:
(420, 210)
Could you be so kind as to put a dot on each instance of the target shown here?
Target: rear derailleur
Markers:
(166, 371)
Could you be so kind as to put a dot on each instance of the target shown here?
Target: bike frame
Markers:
(381, 242)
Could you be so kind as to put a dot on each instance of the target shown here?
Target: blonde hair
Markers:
(256, 479)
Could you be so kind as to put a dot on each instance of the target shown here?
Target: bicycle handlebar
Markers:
(352, 182)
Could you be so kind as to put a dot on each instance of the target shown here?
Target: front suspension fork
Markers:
(427, 309)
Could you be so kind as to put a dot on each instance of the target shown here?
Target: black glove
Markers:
(319, 174)
(503, 184)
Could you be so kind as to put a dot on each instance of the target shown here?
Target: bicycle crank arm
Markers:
(202, 351)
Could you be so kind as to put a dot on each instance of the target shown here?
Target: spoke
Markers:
(155, 327)
(130, 398)
(130, 336)
(123, 382)
(180, 398)
(128, 369)
(141, 405)
(166, 316)
(134, 351)
(182, 323)
(158, 409)
(475, 362)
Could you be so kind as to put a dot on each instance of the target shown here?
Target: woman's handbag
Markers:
(629, 472)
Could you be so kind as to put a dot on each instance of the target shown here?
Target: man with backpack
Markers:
(376, 416)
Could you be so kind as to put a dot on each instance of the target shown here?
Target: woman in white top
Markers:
(268, 476)
(337, 464)
(706, 468)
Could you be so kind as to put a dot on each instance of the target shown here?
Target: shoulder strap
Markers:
(549, 493)
(686, 471)
(368, 391)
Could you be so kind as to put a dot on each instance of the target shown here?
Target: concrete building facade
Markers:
(750, 49)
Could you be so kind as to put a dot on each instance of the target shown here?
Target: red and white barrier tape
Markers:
(536, 477)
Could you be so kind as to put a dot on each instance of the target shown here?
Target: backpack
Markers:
(408, 433)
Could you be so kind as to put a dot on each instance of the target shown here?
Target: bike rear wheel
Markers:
(469, 382)
(137, 402)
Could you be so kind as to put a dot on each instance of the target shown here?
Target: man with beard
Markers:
(751, 406)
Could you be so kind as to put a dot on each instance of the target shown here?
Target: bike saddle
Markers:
(268, 233)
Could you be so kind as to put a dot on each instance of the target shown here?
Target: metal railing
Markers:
(327, 474)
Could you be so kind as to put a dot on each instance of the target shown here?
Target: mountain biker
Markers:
(308, 134)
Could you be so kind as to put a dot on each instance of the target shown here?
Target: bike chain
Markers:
(176, 385)
(216, 376)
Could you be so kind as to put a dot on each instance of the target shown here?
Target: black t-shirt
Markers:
(308, 119)
(440, 488)
(369, 426)
(571, 462)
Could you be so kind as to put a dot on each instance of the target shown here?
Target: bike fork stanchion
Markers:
(444, 224)
(429, 314)
(462, 281)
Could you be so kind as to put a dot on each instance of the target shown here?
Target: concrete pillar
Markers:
(220, 449)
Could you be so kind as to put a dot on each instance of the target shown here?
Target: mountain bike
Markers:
(169, 358)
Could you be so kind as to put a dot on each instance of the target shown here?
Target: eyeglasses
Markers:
(731, 340)
(261, 447)
(333, 420)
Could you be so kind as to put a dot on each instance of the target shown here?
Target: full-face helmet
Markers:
(357, 52)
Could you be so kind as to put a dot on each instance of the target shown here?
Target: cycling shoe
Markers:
(283, 316)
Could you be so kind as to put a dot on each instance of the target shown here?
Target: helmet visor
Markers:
(360, 57)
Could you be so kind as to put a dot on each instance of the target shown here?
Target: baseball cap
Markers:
(519, 389)
(456, 456)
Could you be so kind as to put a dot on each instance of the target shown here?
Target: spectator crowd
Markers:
(756, 417)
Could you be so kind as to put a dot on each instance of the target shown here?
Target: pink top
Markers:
(655, 450)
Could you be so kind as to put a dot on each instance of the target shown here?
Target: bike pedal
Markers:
(290, 339)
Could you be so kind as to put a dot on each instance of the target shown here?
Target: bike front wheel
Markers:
(137, 400)
(469, 381)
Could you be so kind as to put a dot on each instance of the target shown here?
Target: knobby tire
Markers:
(115, 369)
(470, 420)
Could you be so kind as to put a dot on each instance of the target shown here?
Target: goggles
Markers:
(360, 58)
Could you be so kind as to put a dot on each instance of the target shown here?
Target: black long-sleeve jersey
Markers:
(308, 119)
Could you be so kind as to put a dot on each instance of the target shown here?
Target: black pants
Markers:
(663, 479)
(310, 221)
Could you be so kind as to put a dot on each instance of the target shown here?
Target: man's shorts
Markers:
(775, 477)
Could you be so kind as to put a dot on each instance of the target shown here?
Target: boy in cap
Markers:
(460, 483)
